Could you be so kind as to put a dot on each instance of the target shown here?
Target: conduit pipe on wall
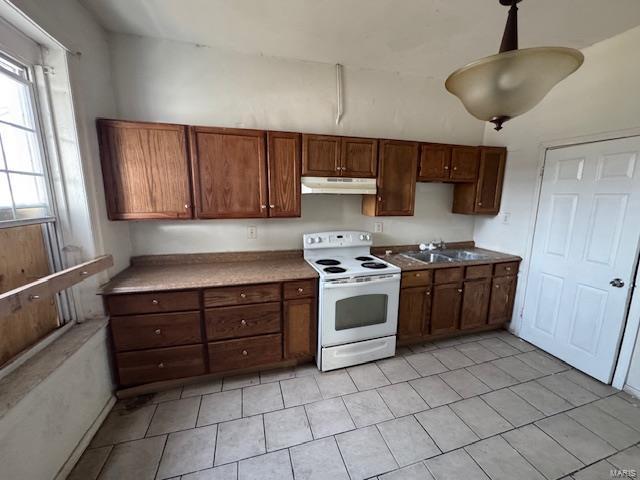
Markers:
(339, 92)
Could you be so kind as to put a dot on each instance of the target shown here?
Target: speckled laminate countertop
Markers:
(408, 264)
(180, 272)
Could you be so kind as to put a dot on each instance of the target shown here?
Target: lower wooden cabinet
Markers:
(502, 293)
(415, 312)
(445, 301)
(475, 303)
(225, 329)
(244, 352)
(160, 364)
(300, 328)
(445, 310)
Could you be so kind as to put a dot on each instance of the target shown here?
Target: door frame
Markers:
(632, 320)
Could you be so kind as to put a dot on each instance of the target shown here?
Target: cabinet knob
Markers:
(337, 169)
(263, 207)
(479, 204)
(428, 292)
(155, 301)
(417, 274)
(508, 269)
(300, 290)
(243, 295)
(243, 323)
(455, 168)
(459, 290)
(497, 286)
(272, 206)
(379, 198)
(161, 365)
(186, 206)
(157, 331)
(446, 168)
(244, 353)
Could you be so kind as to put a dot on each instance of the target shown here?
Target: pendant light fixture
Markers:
(500, 87)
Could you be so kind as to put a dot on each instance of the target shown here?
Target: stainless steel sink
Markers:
(463, 255)
(428, 257)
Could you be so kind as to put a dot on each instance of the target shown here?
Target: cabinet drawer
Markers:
(478, 271)
(231, 322)
(244, 352)
(416, 279)
(133, 303)
(448, 275)
(502, 269)
(218, 297)
(156, 330)
(302, 289)
(160, 364)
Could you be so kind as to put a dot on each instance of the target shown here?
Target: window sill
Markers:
(20, 382)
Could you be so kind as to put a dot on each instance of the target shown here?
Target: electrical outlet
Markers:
(252, 232)
(377, 227)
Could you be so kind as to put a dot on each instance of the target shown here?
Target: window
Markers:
(24, 193)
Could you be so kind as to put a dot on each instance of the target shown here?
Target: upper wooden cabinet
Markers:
(483, 196)
(396, 185)
(145, 168)
(435, 162)
(283, 160)
(464, 164)
(230, 172)
(446, 163)
(329, 156)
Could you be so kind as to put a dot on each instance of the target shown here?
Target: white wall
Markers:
(158, 80)
(600, 97)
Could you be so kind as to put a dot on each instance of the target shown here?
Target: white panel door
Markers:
(587, 235)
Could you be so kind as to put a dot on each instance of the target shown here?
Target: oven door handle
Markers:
(393, 279)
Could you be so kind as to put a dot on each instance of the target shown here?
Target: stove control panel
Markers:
(337, 239)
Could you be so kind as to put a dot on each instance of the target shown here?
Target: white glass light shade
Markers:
(509, 84)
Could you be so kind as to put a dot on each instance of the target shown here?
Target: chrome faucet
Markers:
(432, 246)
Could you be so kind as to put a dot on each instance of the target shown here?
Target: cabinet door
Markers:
(396, 185)
(320, 156)
(283, 160)
(490, 177)
(230, 173)
(145, 170)
(300, 328)
(464, 164)
(502, 293)
(445, 310)
(413, 318)
(359, 157)
(475, 303)
(435, 163)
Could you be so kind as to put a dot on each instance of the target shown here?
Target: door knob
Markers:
(617, 282)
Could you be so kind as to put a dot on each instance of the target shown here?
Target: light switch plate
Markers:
(252, 232)
(506, 217)
(377, 227)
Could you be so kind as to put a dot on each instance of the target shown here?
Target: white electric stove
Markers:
(358, 301)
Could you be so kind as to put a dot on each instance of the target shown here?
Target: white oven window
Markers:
(361, 311)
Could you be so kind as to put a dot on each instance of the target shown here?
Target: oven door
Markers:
(359, 309)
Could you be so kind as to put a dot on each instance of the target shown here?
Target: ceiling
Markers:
(425, 37)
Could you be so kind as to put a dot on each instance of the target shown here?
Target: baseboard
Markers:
(632, 391)
(84, 442)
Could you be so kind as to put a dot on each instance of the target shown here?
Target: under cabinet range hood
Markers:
(350, 186)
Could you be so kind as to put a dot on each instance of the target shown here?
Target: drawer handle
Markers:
(158, 331)
(243, 323)
(243, 295)
(161, 365)
(300, 290)
(155, 301)
(244, 353)
(508, 269)
(417, 274)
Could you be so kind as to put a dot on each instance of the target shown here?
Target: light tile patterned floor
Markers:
(486, 406)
